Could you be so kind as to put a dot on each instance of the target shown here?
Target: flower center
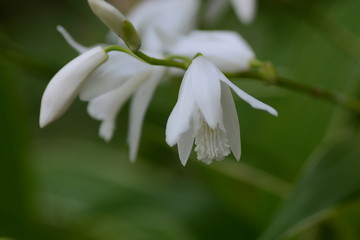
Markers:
(211, 143)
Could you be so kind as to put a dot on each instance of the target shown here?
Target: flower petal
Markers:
(247, 98)
(245, 10)
(206, 89)
(68, 38)
(64, 86)
(138, 107)
(116, 71)
(181, 115)
(185, 144)
(107, 106)
(171, 18)
(226, 49)
(231, 121)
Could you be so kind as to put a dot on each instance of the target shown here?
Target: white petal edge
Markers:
(181, 115)
(247, 98)
(107, 106)
(119, 68)
(138, 107)
(70, 40)
(231, 121)
(185, 144)
(65, 85)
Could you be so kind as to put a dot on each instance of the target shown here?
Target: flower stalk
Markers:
(260, 71)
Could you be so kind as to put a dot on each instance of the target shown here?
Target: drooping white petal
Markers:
(68, 38)
(107, 128)
(247, 98)
(138, 107)
(206, 89)
(181, 115)
(116, 71)
(107, 106)
(65, 85)
(245, 10)
(185, 144)
(231, 121)
(226, 49)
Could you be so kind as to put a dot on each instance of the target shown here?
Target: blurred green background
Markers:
(298, 178)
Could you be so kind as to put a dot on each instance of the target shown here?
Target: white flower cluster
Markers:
(205, 112)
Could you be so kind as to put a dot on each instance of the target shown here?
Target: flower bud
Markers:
(64, 86)
(117, 22)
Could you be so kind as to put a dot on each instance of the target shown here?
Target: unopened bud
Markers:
(117, 23)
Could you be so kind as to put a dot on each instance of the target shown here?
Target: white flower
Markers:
(205, 111)
(226, 49)
(110, 85)
(65, 85)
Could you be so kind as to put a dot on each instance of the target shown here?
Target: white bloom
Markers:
(119, 68)
(109, 86)
(205, 112)
(161, 22)
(226, 49)
(65, 85)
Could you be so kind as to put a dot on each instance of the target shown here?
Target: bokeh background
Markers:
(298, 178)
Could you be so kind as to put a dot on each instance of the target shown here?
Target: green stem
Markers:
(261, 71)
(162, 62)
(316, 92)
(169, 62)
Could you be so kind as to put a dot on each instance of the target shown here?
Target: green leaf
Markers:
(329, 180)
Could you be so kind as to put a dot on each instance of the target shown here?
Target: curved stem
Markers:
(316, 92)
(151, 60)
(261, 71)
(162, 62)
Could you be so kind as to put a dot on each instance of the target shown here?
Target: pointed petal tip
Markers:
(43, 123)
(183, 163)
(273, 112)
(46, 118)
(107, 129)
(171, 142)
(132, 154)
(132, 159)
